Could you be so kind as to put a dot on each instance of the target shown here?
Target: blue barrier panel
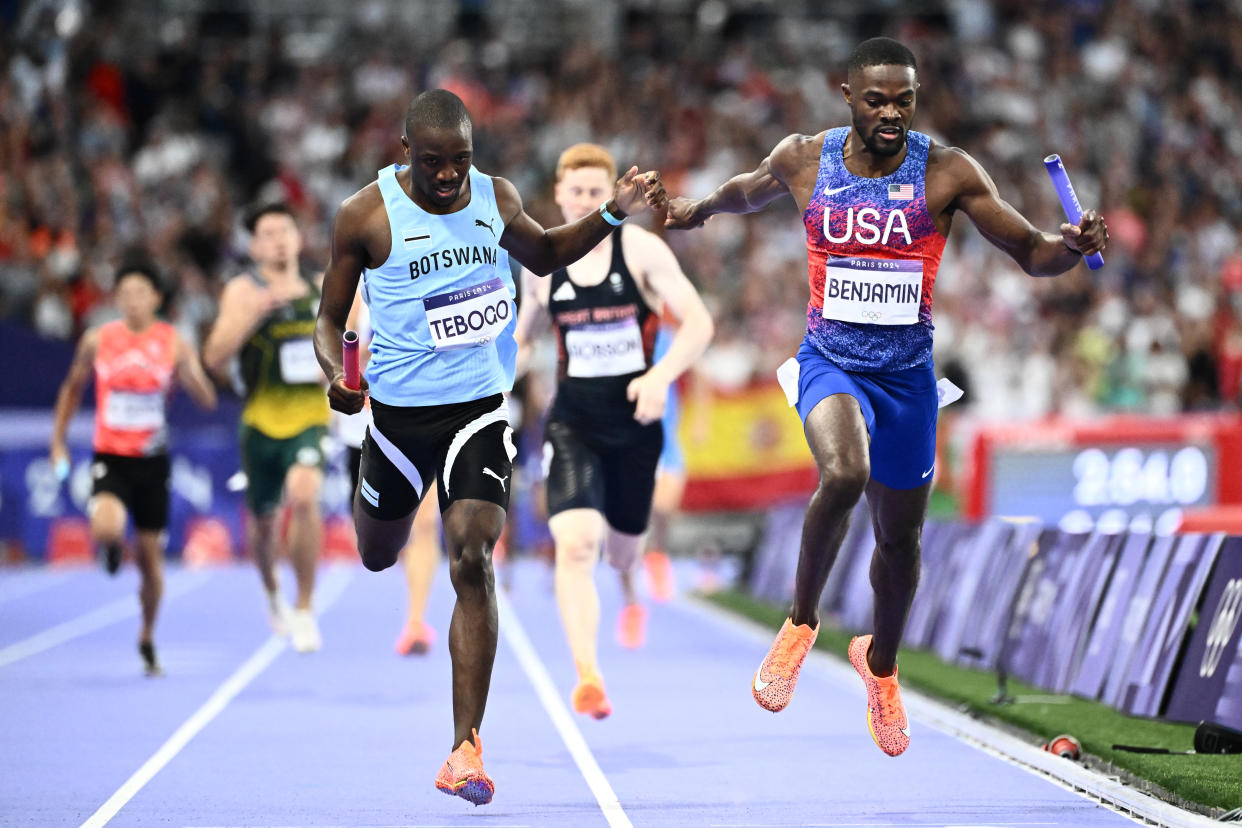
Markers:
(1165, 629)
(1134, 620)
(45, 359)
(1229, 706)
(1076, 616)
(947, 591)
(1106, 632)
(1204, 689)
(967, 587)
(989, 615)
(776, 558)
(1067, 582)
(1028, 637)
(934, 569)
(34, 499)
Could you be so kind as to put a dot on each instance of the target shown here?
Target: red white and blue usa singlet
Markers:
(873, 252)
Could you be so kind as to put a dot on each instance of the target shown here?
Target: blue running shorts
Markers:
(900, 409)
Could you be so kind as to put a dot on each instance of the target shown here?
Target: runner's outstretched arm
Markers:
(1036, 252)
(193, 378)
(340, 287)
(665, 278)
(743, 193)
(243, 307)
(70, 395)
(543, 251)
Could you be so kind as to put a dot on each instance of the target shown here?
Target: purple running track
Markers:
(354, 734)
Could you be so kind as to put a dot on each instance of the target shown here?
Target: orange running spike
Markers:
(774, 681)
(886, 715)
(632, 626)
(462, 774)
(589, 696)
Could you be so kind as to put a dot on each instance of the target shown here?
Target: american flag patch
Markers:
(900, 192)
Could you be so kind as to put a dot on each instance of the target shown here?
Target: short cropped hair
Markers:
(438, 109)
(881, 51)
(139, 267)
(585, 155)
(274, 209)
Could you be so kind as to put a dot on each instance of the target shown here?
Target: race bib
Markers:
(134, 411)
(469, 317)
(873, 291)
(611, 350)
(298, 365)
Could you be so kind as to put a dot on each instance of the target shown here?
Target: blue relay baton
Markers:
(1069, 201)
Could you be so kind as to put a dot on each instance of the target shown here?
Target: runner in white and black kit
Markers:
(603, 436)
(428, 240)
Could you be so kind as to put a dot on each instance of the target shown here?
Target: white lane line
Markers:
(22, 583)
(331, 589)
(1086, 783)
(120, 609)
(515, 636)
(880, 824)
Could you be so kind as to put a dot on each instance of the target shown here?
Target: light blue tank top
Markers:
(442, 305)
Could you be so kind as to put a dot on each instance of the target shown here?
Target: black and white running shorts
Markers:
(467, 446)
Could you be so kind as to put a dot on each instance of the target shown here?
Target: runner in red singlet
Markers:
(134, 360)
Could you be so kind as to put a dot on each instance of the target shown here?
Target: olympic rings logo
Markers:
(873, 315)
(1224, 621)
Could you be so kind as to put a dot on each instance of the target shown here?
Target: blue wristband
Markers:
(609, 217)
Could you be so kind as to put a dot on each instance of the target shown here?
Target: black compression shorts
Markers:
(608, 469)
(140, 483)
(468, 447)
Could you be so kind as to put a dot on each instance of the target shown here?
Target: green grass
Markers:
(943, 505)
(1209, 781)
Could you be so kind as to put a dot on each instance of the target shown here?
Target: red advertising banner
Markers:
(1114, 473)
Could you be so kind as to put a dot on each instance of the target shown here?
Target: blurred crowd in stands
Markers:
(154, 125)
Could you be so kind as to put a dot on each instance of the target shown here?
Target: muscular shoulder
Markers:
(953, 167)
(795, 152)
(508, 202)
(356, 210)
(242, 283)
(638, 244)
(649, 258)
(951, 175)
(639, 239)
(239, 291)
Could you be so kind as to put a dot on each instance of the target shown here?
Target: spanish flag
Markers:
(744, 450)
